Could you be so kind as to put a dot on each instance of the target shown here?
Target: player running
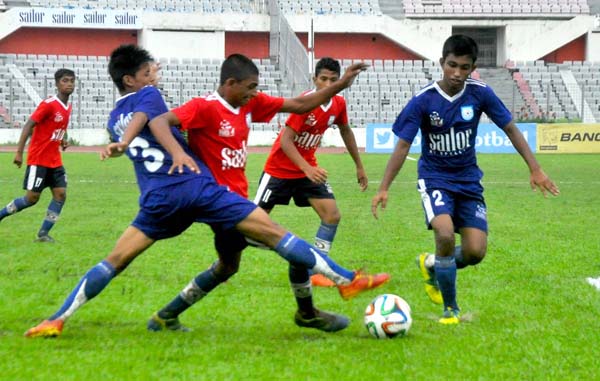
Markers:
(47, 127)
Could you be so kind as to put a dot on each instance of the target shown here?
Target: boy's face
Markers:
(456, 71)
(66, 84)
(240, 92)
(143, 77)
(325, 78)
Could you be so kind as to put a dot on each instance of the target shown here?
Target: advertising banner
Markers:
(490, 139)
(568, 138)
(78, 18)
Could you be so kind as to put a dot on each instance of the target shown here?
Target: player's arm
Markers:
(25, 134)
(315, 174)
(350, 143)
(537, 177)
(392, 168)
(134, 127)
(161, 129)
(305, 103)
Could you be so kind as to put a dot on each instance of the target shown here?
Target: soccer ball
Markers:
(388, 316)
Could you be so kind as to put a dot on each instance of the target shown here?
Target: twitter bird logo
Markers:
(383, 138)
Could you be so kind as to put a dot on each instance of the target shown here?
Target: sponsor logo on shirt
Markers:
(226, 130)
(234, 158)
(58, 117)
(436, 120)
(450, 142)
(308, 140)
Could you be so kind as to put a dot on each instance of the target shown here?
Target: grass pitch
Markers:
(533, 315)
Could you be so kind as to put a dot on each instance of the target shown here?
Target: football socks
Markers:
(14, 206)
(445, 274)
(52, 215)
(92, 283)
(325, 236)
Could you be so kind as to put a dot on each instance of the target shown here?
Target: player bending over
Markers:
(177, 190)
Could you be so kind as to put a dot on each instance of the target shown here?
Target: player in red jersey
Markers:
(292, 171)
(47, 127)
(218, 127)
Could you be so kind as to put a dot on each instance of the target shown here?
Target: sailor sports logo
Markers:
(234, 158)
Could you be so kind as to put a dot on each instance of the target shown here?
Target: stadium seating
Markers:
(494, 8)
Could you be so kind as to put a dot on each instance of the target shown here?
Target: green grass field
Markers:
(533, 315)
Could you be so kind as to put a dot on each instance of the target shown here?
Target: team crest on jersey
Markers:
(58, 117)
(225, 129)
(467, 112)
(435, 119)
(311, 120)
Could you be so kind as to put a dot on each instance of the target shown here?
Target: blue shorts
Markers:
(167, 211)
(463, 201)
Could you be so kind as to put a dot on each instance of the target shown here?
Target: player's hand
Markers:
(539, 179)
(363, 181)
(181, 160)
(18, 160)
(316, 174)
(352, 72)
(113, 150)
(64, 144)
(380, 198)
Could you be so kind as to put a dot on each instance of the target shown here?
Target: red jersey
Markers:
(218, 133)
(51, 119)
(309, 128)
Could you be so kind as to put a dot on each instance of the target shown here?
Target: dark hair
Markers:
(237, 66)
(63, 73)
(460, 45)
(126, 60)
(328, 63)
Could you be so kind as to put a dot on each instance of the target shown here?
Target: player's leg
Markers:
(131, 243)
(229, 245)
(258, 226)
(329, 214)
(445, 266)
(57, 181)
(33, 184)
(471, 221)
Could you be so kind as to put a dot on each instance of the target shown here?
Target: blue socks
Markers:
(445, 275)
(92, 283)
(14, 206)
(325, 236)
(52, 214)
(298, 252)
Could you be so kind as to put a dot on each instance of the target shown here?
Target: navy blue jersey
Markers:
(449, 128)
(150, 160)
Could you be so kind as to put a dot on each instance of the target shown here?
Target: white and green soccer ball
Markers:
(388, 316)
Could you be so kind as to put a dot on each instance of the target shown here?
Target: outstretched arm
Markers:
(161, 129)
(392, 168)
(302, 104)
(537, 178)
(25, 134)
(350, 143)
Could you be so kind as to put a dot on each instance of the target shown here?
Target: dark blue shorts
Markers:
(463, 201)
(167, 211)
(275, 191)
(37, 178)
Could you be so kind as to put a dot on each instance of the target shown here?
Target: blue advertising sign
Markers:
(490, 138)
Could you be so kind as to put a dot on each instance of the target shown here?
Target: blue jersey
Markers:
(150, 160)
(449, 128)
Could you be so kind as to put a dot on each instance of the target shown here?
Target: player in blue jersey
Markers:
(447, 112)
(177, 189)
